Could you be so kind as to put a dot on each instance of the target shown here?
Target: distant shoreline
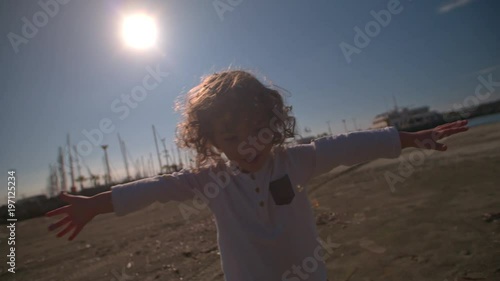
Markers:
(484, 120)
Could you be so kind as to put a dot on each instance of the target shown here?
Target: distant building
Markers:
(406, 119)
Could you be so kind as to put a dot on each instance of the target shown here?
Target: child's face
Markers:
(244, 143)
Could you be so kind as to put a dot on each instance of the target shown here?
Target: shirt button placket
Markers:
(257, 190)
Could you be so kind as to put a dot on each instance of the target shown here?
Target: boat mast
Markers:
(151, 164)
(329, 127)
(107, 177)
(174, 158)
(62, 170)
(124, 154)
(80, 178)
(71, 171)
(166, 153)
(345, 126)
(143, 167)
(54, 181)
(395, 103)
(179, 156)
(157, 150)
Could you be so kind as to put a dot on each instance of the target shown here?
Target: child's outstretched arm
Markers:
(428, 139)
(324, 154)
(126, 198)
(80, 211)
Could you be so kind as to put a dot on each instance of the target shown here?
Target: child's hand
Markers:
(428, 138)
(78, 213)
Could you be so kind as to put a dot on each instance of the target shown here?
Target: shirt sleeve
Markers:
(133, 196)
(326, 153)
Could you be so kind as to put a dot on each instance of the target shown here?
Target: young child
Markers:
(254, 184)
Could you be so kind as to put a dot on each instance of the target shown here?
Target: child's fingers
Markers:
(66, 230)
(440, 147)
(75, 233)
(57, 211)
(452, 131)
(452, 124)
(58, 224)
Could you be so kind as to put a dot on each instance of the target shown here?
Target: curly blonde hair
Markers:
(232, 95)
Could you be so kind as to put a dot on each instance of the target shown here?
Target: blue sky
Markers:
(65, 78)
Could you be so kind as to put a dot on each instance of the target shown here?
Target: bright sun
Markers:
(139, 31)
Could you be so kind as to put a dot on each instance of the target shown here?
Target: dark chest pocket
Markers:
(282, 191)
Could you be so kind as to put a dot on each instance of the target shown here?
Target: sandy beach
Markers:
(424, 223)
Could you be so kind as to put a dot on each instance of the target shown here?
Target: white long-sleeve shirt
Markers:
(265, 224)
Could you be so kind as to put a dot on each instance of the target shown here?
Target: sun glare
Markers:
(139, 31)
